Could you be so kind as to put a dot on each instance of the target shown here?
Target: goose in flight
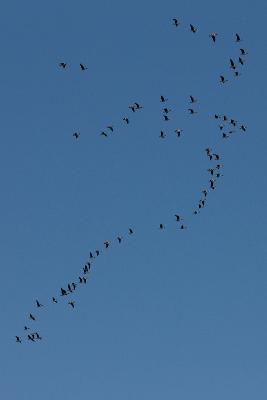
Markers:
(161, 226)
(106, 243)
(18, 339)
(31, 337)
(176, 23)
(71, 303)
(126, 120)
(162, 135)
(38, 304)
(232, 64)
(192, 99)
(178, 132)
(213, 36)
(191, 111)
(243, 128)
(119, 238)
(237, 38)
(243, 52)
(193, 28)
(63, 292)
(26, 328)
(163, 99)
(32, 317)
(110, 127)
(54, 300)
(178, 217)
(104, 134)
(130, 231)
(76, 135)
(222, 79)
(241, 61)
(137, 106)
(166, 118)
(83, 67)
(62, 65)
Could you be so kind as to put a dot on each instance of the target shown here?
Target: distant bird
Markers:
(62, 65)
(162, 135)
(132, 108)
(69, 287)
(195, 212)
(76, 135)
(213, 36)
(54, 300)
(178, 217)
(225, 118)
(208, 151)
(243, 52)
(225, 135)
(237, 38)
(110, 127)
(85, 269)
(233, 122)
(192, 28)
(166, 110)
(192, 99)
(63, 292)
(216, 116)
(119, 238)
(191, 111)
(212, 182)
(18, 339)
(219, 166)
(71, 303)
(205, 192)
(32, 317)
(176, 23)
(183, 227)
(211, 170)
(126, 120)
(163, 99)
(219, 175)
(161, 226)
(97, 252)
(222, 79)
(91, 255)
(216, 156)
(38, 304)
(130, 231)
(26, 328)
(106, 243)
(103, 134)
(84, 280)
(80, 279)
(237, 73)
(31, 337)
(243, 128)
(74, 285)
(221, 127)
(232, 64)
(37, 336)
(83, 67)
(166, 118)
(137, 106)
(178, 132)
(241, 61)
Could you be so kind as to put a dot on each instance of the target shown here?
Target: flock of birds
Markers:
(227, 127)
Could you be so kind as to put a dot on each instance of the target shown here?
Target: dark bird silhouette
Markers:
(69, 287)
(216, 156)
(62, 65)
(74, 285)
(208, 151)
(225, 118)
(183, 227)
(166, 118)
(166, 110)
(219, 166)
(237, 38)
(193, 29)
(31, 337)
(38, 304)
(178, 132)
(106, 243)
(241, 61)
(119, 239)
(192, 99)
(195, 212)
(219, 175)
(205, 192)
(71, 303)
(237, 73)
(97, 252)
(222, 79)
(18, 339)
(178, 217)
(163, 99)
(176, 23)
(162, 135)
(54, 300)
(243, 128)
(221, 127)
(130, 231)
(232, 64)
(84, 280)
(26, 328)
(161, 226)
(85, 269)
(83, 67)
(225, 135)
(233, 122)
(132, 108)
(212, 183)
(211, 170)
(213, 36)
(137, 106)
(243, 52)
(63, 292)
(76, 135)
(32, 317)
(80, 279)
(216, 116)
(91, 255)
(191, 111)
(110, 127)
(126, 120)
(103, 134)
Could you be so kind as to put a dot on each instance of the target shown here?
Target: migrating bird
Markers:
(137, 106)
(166, 118)
(32, 317)
(191, 111)
(18, 339)
(54, 300)
(38, 304)
(216, 116)
(237, 38)
(71, 303)
(243, 128)
(26, 328)
(63, 292)
(221, 127)
(97, 252)
(106, 243)
(225, 118)
(176, 23)
(183, 227)
(70, 289)
(225, 135)
(232, 64)
(192, 28)
(233, 122)
(37, 336)
(62, 65)
(76, 135)
(205, 192)
(213, 36)
(163, 99)
(103, 134)
(222, 79)
(83, 67)
(178, 217)
(243, 52)
(31, 337)
(161, 226)
(130, 231)
(132, 108)
(162, 135)
(241, 61)
(110, 127)
(192, 99)
(119, 238)
(178, 132)
(236, 73)
(166, 110)
(126, 120)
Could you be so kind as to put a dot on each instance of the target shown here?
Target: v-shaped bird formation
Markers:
(226, 125)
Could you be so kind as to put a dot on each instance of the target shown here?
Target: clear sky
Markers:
(167, 314)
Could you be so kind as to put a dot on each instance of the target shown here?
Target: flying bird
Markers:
(162, 135)
(222, 79)
(62, 65)
(38, 304)
(103, 134)
(130, 231)
(191, 111)
(176, 23)
(237, 38)
(232, 64)
(166, 118)
(31, 337)
(192, 99)
(126, 120)
(243, 128)
(192, 28)
(110, 127)
(161, 226)
(178, 217)
(54, 300)
(63, 292)
(83, 67)
(213, 36)
(166, 110)
(178, 132)
(137, 106)
(243, 52)
(71, 303)
(106, 243)
(119, 239)
(76, 135)
(18, 339)
(26, 328)
(241, 61)
(32, 317)
(163, 99)
(37, 336)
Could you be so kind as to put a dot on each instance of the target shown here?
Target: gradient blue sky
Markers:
(173, 314)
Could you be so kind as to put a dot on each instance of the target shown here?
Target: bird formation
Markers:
(227, 126)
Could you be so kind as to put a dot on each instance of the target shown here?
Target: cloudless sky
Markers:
(165, 314)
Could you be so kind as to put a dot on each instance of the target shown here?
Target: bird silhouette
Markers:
(161, 226)
(237, 38)
(232, 64)
(31, 337)
(178, 132)
(240, 60)
(163, 99)
(193, 29)
(18, 339)
(32, 317)
(162, 135)
(178, 217)
(126, 120)
(192, 99)
(176, 23)
(130, 231)
(63, 292)
(191, 111)
(222, 79)
(243, 52)
(54, 300)
(62, 65)
(38, 304)
(83, 67)
(110, 127)
(71, 303)
(166, 118)
(119, 238)
(103, 134)
(26, 328)
(213, 36)
(243, 128)
(76, 135)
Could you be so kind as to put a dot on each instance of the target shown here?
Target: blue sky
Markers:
(165, 314)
